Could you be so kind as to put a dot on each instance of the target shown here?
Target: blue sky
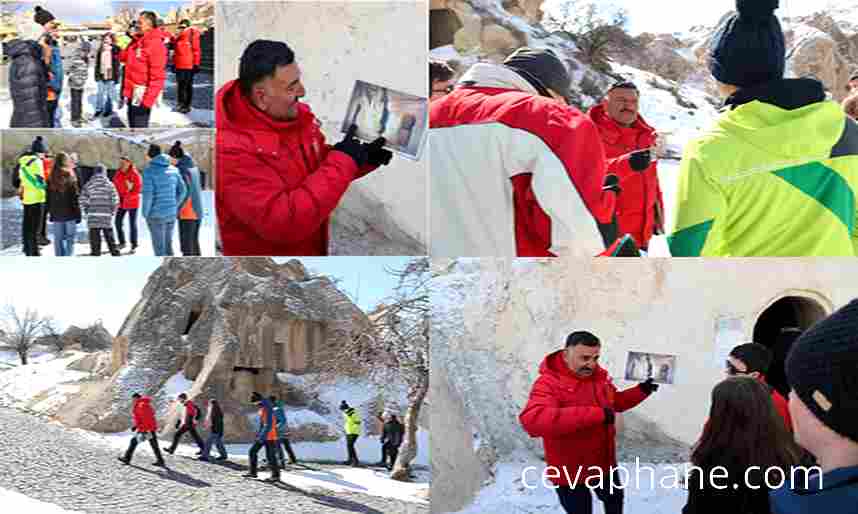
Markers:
(77, 11)
(666, 16)
(81, 290)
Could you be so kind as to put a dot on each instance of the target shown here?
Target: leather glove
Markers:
(376, 154)
(649, 386)
(640, 160)
(609, 416)
(612, 183)
(352, 147)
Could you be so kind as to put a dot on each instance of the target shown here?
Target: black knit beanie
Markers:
(38, 145)
(255, 397)
(542, 69)
(822, 370)
(756, 356)
(42, 16)
(154, 151)
(748, 48)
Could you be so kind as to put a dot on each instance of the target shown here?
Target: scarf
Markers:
(107, 60)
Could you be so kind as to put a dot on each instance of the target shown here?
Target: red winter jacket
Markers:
(190, 415)
(143, 415)
(278, 181)
(129, 196)
(641, 193)
(186, 49)
(145, 65)
(567, 412)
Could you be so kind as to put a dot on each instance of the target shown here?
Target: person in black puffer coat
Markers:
(28, 84)
(391, 440)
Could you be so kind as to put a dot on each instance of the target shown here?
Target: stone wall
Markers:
(337, 43)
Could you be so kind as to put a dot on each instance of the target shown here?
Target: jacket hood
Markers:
(235, 112)
(766, 115)
(160, 162)
(18, 47)
(555, 365)
(497, 76)
(185, 161)
(610, 128)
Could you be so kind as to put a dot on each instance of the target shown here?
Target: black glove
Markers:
(609, 416)
(196, 69)
(352, 147)
(376, 154)
(640, 160)
(178, 424)
(649, 386)
(612, 183)
(133, 429)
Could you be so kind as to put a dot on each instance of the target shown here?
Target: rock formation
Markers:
(229, 326)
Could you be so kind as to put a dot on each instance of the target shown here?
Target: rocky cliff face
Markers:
(219, 328)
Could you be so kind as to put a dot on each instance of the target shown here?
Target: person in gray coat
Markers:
(77, 67)
(99, 201)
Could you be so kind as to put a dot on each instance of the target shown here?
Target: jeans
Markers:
(353, 457)
(184, 88)
(161, 231)
(52, 114)
(33, 216)
(270, 454)
(579, 500)
(217, 441)
(132, 222)
(189, 237)
(107, 91)
(138, 116)
(64, 234)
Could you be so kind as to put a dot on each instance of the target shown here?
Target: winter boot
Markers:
(250, 475)
(123, 460)
(160, 464)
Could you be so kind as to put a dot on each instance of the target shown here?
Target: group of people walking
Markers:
(57, 189)
(753, 436)
(271, 433)
(130, 69)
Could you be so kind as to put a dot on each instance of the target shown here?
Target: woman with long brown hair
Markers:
(63, 205)
(744, 430)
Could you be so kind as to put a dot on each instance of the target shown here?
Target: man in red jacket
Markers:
(277, 180)
(572, 408)
(145, 70)
(129, 186)
(187, 422)
(186, 61)
(754, 359)
(629, 148)
(516, 171)
(146, 428)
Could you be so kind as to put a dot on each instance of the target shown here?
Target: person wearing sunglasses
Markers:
(441, 78)
(753, 360)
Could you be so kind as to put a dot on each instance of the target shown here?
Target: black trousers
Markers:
(153, 441)
(138, 116)
(184, 87)
(77, 104)
(390, 454)
(270, 454)
(34, 214)
(351, 439)
(132, 222)
(52, 111)
(43, 229)
(189, 237)
(580, 501)
(182, 431)
(95, 241)
(282, 443)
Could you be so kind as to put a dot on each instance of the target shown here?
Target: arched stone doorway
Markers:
(781, 322)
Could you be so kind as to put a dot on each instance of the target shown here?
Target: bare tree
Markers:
(53, 336)
(596, 29)
(20, 330)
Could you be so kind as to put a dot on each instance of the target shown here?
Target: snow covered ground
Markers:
(16, 502)
(512, 494)
(162, 114)
(12, 218)
(45, 378)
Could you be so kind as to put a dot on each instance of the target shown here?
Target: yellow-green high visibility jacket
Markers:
(32, 175)
(768, 180)
(352, 422)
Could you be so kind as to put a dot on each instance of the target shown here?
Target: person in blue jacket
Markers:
(822, 371)
(163, 192)
(266, 436)
(191, 211)
(54, 61)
